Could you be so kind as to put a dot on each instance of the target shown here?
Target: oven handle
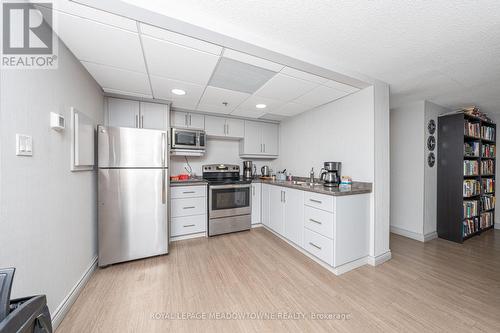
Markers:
(215, 187)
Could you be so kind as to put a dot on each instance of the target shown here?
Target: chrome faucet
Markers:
(311, 176)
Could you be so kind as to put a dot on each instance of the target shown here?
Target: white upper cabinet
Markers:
(187, 120)
(101, 43)
(130, 113)
(177, 62)
(224, 127)
(260, 140)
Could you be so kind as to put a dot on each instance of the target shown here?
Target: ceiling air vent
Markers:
(239, 76)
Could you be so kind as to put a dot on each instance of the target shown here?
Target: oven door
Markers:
(185, 139)
(229, 200)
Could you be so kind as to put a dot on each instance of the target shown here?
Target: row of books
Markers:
(488, 185)
(470, 208)
(471, 148)
(487, 202)
(472, 129)
(487, 167)
(471, 187)
(486, 220)
(471, 168)
(487, 133)
(470, 226)
(487, 150)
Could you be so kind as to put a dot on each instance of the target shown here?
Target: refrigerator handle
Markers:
(163, 149)
(163, 187)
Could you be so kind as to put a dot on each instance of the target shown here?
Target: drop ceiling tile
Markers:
(119, 79)
(178, 62)
(253, 100)
(303, 75)
(255, 61)
(341, 86)
(285, 88)
(162, 88)
(214, 98)
(320, 95)
(247, 113)
(176, 38)
(100, 43)
(292, 109)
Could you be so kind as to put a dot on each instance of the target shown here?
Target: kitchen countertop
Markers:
(188, 182)
(356, 187)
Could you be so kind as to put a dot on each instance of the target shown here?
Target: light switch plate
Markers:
(24, 145)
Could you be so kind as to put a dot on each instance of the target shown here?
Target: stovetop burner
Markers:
(222, 174)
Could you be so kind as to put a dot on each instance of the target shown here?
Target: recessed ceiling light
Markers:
(261, 106)
(178, 92)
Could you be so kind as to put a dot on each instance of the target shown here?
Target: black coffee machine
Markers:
(330, 173)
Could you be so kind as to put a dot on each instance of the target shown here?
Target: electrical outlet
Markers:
(24, 145)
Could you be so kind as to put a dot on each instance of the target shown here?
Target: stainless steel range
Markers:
(229, 199)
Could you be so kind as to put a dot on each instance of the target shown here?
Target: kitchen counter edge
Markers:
(356, 187)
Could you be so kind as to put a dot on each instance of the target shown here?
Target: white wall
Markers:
(218, 151)
(47, 213)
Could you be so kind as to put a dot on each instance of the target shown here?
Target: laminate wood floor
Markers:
(438, 286)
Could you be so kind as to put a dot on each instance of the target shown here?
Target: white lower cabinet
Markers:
(276, 209)
(188, 210)
(293, 212)
(256, 203)
(319, 246)
(265, 204)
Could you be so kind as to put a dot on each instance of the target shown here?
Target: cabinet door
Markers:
(215, 126)
(270, 138)
(235, 128)
(276, 209)
(196, 121)
(293, 215)
(256, 203)
(265, 204)
(153, 116)
(123, 112)
(252, 143)
(179, 119)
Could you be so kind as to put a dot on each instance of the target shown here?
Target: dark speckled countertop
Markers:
(188, 182)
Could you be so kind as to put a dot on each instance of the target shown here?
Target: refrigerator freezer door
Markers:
(132, 213)
(122, 147)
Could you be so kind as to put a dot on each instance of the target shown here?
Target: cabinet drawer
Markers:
(319, 221)
(321, 201)
(188, 206)
(179, 192)
(319, 246)
(188, 225)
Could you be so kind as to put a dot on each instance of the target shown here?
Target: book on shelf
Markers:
(486, 220)
(488, 150)
(487, 202)
(472, 129)
(471, 168)
(470, 208)
(471, 187)
(488, 185)
(487, 167)
(470, 226)
(487, 133)
(471, 149)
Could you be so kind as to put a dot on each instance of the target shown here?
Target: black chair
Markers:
(23, 315)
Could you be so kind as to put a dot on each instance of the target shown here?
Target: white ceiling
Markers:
(444, 51)
(136, 59)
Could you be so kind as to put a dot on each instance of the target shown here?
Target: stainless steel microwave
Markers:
(188, 141)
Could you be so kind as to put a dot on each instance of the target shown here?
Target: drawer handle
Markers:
(318, 222)
(189, 225)
(188, 192)
(190, 207)
(316, 246)
(316, 201)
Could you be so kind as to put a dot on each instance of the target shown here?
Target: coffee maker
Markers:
(249, 169)
(331, 173)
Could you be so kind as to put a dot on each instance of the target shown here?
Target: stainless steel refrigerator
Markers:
(132, 194)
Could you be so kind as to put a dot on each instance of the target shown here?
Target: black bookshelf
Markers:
(451, 176)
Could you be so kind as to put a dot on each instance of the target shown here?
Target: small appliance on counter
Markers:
(331, 174)
(187, 142)
(249, 169)
(265, 171)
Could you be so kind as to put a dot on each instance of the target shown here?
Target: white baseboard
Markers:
(380, 259)
(257, 225)
(63, 308)
(497, 225)
(408, 234)
(184, 237)
(430, 236)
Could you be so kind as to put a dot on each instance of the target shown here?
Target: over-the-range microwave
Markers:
(187, 142)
